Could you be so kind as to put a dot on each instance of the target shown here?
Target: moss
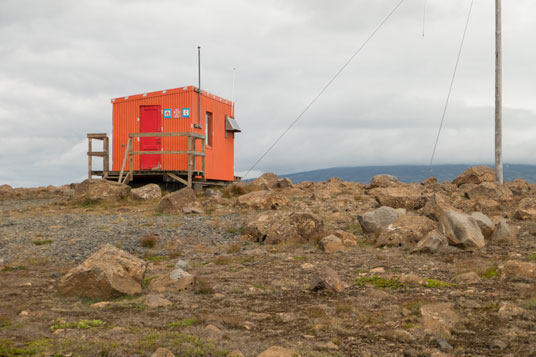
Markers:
(147, 280)
(434, 284)
(29, 349)
(184, 323)
(380, 282)
(195, 347)
(532, 257)
(80, 325)
(492, 272)
(42, 242)
(299, 258)
(14, 268)
(156, 258)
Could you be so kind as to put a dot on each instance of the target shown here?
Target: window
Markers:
(208, 128)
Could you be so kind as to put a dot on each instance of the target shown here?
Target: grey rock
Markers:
(504, 233)
(433, 242)
(376, 221)
(486, 225)
(461, 230)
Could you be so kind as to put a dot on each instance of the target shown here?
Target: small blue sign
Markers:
(167, 113)
(185, 112)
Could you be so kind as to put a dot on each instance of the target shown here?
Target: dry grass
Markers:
(234, 248)
(149, 241)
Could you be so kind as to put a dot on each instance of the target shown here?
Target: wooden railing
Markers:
(103, 154)
(191, 152)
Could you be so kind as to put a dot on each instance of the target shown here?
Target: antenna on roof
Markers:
(199, 86)
(232, 92)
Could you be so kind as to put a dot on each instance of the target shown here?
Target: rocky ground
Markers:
(316, 269)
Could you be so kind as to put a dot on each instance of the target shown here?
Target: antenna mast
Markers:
(498, 93)
(199, 86)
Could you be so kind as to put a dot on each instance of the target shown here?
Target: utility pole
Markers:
(498, 93)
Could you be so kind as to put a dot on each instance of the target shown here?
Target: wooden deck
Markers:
(190, 177)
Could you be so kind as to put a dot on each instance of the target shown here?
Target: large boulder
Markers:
(518, 269)
(285, 183)
(518, 187)
(433, 242)
(276, 351)
(176, 281)
(526, 210)
(504, 233)
(436, 206)
(101, 190)
(175, 202)
(475, 175)
(147, 193)
(406, 231)
(382, 180)
(267, 180)
(403, 196)
(331, 244)
(489, 190)
(110, 272)
(263, 200)
(327, 278)
(377, 220)
(439, 319)
(486, 225)
(461, 230)
(279, 227)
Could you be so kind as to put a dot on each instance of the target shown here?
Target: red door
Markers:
(150, 122)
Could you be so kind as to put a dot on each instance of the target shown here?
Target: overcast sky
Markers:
(61, 61)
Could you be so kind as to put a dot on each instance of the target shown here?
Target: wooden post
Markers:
(130, 164)
(89, 158)
(194, 156)
(498, 93)
(129, 144)
(203, 157)
(106, 163)
(189, 161)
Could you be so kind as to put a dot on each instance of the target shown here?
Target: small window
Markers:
(208, 128)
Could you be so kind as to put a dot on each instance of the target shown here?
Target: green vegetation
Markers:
(42, 241)
(147, 280)
(14, 268)
(492, 272)
(29, 348)
(156, 258)
(410, 325)
(433, 283)
(184, 323)
(81, 325)
(300, 258)
(529, 304)
(532, 256)
(355, 229)
(194, 347)
(379, 282)
(234, 230)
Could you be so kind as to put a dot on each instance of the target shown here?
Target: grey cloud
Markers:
(61, 62)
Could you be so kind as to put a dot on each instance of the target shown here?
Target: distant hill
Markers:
(407, 173)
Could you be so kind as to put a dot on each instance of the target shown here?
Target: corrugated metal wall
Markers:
(220, 157)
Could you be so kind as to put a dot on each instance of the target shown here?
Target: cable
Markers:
(450, 89)
(325, 87)
(424, 17)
